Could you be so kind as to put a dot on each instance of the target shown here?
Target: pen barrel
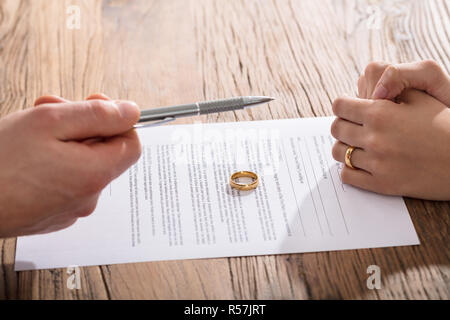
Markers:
(221, 105)
(193, 109)
(155, 114)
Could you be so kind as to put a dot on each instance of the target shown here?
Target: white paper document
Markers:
(176, 202)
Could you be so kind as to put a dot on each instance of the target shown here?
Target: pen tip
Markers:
(256, 100)
(264, 99)
(267, 99)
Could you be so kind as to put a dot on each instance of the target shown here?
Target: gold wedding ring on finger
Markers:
(348, 157)
(241, 186)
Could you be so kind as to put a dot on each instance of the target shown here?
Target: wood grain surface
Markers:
(163, 52)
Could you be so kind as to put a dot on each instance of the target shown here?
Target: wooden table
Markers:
(165, 52)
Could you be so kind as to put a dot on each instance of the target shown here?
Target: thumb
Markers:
(89, 119)
(424, 75)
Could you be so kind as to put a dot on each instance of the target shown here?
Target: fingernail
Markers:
(128, 109)
(380, 92)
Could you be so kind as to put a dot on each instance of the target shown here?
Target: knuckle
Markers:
(46, 116)
(362, 87)
(97, 104)
(390, 72)
(335, 152)
(435, 71)
(335, 128)
(133, 155)
(337, 105)
(87, 210)
(136, 148)
(133, 151)
(431, 65)
(101, 109)
(374, 68)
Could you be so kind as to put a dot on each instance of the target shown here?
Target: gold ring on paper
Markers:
(348, 157)
(241, 186)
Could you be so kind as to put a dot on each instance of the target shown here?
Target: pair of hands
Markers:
(400, 124)
(52, 169)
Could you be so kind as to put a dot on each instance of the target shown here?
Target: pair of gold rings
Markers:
(241, 186)
(255, 180)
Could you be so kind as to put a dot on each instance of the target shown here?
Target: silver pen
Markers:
(163, 115)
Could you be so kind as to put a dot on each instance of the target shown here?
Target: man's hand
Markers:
(387, 81)
(56, 159)
(402, 149)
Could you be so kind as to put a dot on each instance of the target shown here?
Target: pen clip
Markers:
(154, 124)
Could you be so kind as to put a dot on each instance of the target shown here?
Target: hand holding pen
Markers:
(78, 148)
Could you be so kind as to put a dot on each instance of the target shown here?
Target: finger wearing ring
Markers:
(241, 186)
(348, 157)
(359, 157)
